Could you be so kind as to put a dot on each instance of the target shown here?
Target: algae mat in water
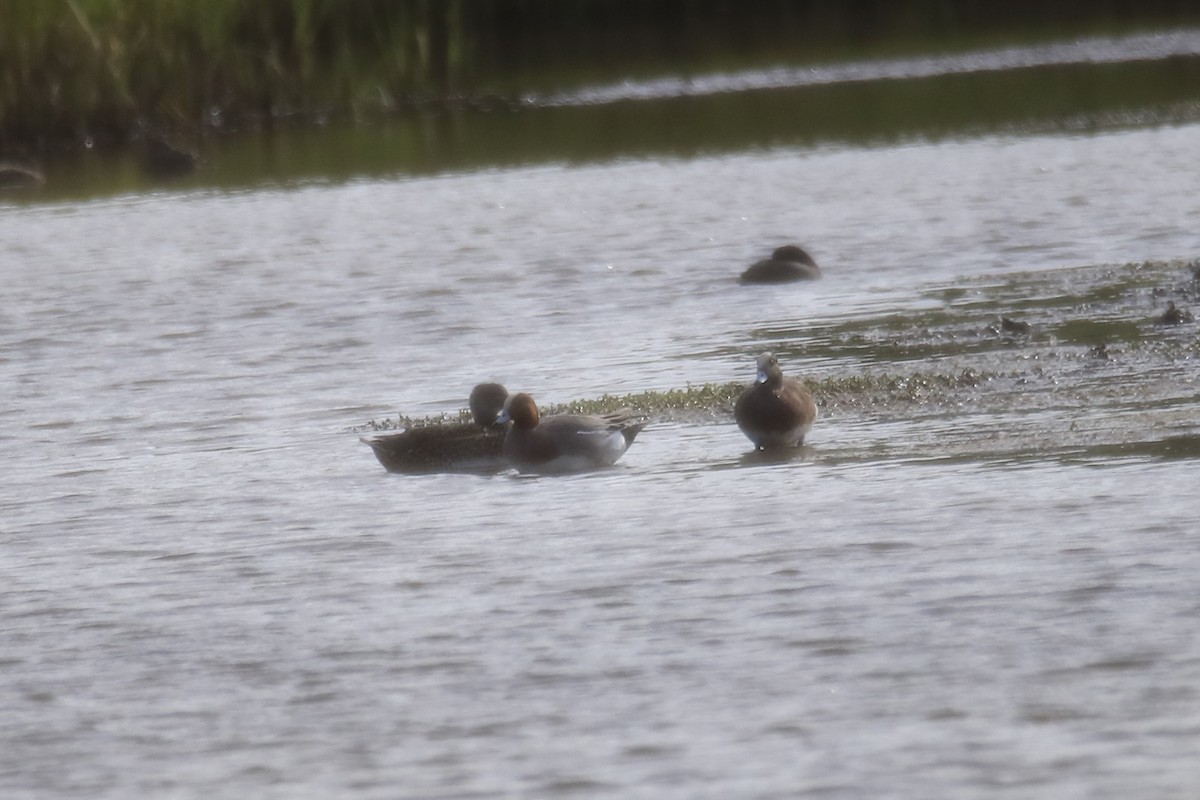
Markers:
(1075, 364)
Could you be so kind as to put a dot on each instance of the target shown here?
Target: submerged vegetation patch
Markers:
(1085, 338)
(715, 401)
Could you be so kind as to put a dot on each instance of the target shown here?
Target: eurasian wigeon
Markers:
(787, 263)
(775, 412)
(564, 443)
(454, 447)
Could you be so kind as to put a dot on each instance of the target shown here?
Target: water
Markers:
(210, 588)
(1121, 50)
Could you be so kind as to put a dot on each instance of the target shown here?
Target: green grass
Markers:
(115, 68)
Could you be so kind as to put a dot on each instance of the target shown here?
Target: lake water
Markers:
(209, 587)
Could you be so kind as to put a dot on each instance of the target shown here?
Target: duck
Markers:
(455, 447)
(775, 412)
(486, 403)
(567, 442)
(787, 263)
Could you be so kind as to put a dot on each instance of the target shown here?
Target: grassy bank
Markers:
(110, 70)
(115, 70)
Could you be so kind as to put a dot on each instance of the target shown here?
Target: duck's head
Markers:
(768, 370)
(487, 401)
(522, 410)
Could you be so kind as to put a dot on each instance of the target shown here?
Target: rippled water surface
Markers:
(972, 588)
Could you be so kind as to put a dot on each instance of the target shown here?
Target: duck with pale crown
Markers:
(458, 447)
(564, 443)
(776, 412)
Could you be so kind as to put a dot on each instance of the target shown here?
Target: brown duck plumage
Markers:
(454, 447)
(776, 411)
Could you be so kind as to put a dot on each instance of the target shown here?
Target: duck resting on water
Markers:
(786, 264)
(455, 447)
(565, 443)
(775, 412)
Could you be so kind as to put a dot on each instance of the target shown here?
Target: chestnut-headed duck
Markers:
(453, 447)
(564, 443)
(787, 263)
(776, 411)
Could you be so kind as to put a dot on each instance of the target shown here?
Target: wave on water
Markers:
(1098, 50)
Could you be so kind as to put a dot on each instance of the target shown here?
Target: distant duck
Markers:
(1174, 315)
(565, 443)
(163, 160)
(19, 176)
(786, 264)
(1009, 325)
(776, 412)
(454, 447)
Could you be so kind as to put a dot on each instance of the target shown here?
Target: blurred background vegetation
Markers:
(114, 71)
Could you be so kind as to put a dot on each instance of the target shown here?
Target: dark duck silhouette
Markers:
(786, 264)
(454, 447)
